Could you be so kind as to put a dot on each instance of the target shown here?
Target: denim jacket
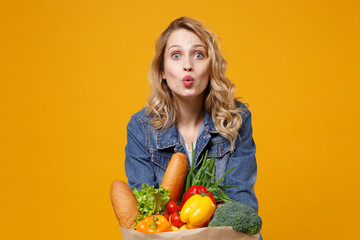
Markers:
(148, 152)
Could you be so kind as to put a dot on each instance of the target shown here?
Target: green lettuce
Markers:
(151, 200)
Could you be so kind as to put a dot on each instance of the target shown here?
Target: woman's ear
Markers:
(163, 75)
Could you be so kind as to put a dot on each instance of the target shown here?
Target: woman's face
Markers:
(186, 68)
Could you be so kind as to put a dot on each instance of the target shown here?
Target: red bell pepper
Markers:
(197, 189)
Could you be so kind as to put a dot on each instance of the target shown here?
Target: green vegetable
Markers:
(237, 215)
(151, 200)
(205, 175)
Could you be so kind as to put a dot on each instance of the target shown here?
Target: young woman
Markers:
(191, 102)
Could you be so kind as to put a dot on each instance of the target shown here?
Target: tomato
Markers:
(165, 214)
(175, 220)
(171, 207)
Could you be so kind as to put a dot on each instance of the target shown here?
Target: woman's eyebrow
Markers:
(179, 46)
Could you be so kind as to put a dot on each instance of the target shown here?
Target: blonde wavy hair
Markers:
(219, 95)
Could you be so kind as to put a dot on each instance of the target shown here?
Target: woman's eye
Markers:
(176, 55)
(199, 55)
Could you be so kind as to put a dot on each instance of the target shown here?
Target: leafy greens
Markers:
(151, 200)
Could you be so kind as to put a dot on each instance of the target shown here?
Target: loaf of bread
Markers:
(124, 203)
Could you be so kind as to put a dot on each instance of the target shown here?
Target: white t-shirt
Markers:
(189, 152)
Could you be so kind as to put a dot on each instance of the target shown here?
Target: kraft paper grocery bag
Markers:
(206, 233)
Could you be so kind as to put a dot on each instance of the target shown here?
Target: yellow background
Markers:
(74, 71)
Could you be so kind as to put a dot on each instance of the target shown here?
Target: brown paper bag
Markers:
(206, 233)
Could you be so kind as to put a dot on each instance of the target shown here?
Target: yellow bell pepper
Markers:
(197, 210)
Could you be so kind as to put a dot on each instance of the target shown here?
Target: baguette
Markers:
(175, 175)
(124, 203)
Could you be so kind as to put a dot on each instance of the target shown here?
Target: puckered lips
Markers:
(188, 81)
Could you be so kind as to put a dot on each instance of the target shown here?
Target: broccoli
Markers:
(237, 215)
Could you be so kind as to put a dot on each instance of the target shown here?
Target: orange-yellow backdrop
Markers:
(73, 72)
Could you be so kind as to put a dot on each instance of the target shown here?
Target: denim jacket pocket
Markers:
(221, 149)
(160, 161)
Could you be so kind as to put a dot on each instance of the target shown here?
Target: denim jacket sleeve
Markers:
(138, 165)
(245, 173)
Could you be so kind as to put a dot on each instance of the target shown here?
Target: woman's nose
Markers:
(188, 69)
(188, 64)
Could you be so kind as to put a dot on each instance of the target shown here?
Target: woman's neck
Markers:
(191, 113)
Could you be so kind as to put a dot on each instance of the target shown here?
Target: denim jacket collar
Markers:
(170, 137)
(209, 124)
